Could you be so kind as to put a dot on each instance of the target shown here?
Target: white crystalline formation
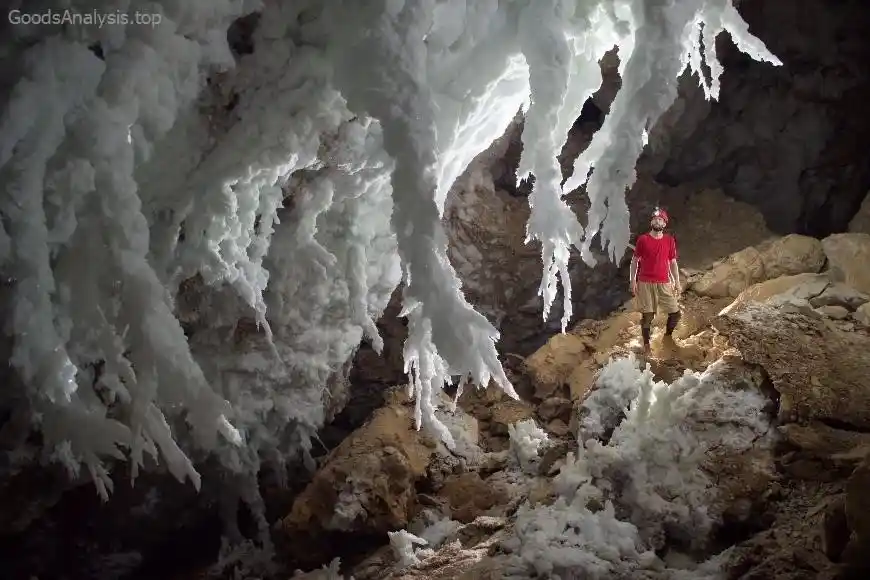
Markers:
(118, 184)
(652, 470)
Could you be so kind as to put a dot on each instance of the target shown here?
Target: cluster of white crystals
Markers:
(118, 184)
(619, 500)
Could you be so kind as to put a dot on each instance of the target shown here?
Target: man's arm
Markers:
(632, 272)
(673, 268)
(635, 260)
(675, 274)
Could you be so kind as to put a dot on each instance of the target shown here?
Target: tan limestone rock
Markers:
(839, 294)
(849, 259)
(799, 288)
(820, 439)
(367, 483)
(550, 366)
(792, 254)
(470, 496)
(820, 372)
(834, 311)
(506, 413)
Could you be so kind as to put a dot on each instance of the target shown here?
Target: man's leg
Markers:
(646, 304)
(673, 321)
(669, 304)
(646, 330)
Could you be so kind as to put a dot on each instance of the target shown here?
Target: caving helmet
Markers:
(660, 214)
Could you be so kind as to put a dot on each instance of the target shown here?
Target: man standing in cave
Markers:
(655, 279)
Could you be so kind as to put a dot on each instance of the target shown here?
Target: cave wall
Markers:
(790, 140)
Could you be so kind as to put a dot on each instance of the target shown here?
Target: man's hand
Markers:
(677, 289)
(634, 288)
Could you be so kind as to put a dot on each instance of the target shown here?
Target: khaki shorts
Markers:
(656, 297)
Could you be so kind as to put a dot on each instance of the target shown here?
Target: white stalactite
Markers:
(116, 187)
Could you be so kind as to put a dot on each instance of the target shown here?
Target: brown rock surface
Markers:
(820, 440)
(469, 496)
(743, 481)
(849, 259)
(835, 529)
(792, 254)
(796, 289)
(821, 452)
(792, 545)
(834, 311)
(506, 413)
(857, 551)
(550, 366)
(367, 482)
(839, 294)
(555, 408)
(820, 372)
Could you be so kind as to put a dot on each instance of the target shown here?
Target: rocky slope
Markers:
(750, 460)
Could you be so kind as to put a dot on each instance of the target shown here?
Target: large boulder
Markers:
(820, 372)
(365, 487)
(849, 259)
(786, 256)
(797, 289)
(729, 277)
(791, 254)
(819, 452)
(839, 294)
(823, 441)
(742, 473)
(468, 495)
(566, 365)
(551, 365)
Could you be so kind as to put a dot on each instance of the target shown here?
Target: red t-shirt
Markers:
(654, 256)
